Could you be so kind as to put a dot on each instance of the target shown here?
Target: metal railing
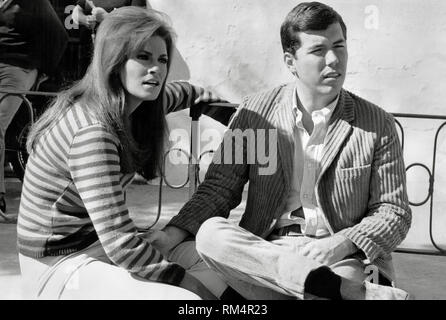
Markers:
(31, 113)
(431, 186)
(23, 95)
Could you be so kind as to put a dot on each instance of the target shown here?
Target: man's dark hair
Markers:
(304, 17)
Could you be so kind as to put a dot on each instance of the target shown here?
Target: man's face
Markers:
(320, 62)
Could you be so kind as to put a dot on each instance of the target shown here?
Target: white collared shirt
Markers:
(306, 170)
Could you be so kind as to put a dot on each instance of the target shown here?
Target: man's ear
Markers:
(289, 58)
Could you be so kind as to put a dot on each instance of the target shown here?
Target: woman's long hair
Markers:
(123, 32)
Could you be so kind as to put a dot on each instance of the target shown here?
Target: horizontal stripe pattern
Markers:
(73, 195)
(180, 95)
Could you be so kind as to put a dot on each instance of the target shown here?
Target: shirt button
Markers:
(305, 196)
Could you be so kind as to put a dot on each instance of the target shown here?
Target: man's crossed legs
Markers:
(260, 269)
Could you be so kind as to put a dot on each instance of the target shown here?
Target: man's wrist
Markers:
(175, 234)
(350, 246)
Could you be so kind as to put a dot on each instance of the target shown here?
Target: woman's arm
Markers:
(94, 166)
(180, 95)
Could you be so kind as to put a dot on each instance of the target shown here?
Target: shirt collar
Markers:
(326, 112)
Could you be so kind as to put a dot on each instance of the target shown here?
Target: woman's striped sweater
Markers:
(73, 195)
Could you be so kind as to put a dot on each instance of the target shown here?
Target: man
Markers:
(32, 40)
(336, 206)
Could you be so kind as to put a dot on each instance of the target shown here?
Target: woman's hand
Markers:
(192, 284)
(165, 240)
(207, 96)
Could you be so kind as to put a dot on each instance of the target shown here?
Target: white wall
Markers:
(397, 48)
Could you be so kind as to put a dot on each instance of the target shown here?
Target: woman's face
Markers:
(144, 73)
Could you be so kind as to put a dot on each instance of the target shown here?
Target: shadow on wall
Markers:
(178, 69)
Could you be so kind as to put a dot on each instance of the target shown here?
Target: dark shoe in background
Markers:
(231, 295)
(3, 217)
(2, 204)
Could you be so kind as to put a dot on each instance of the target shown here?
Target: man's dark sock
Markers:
(231, 294)
(2, 203)
(324, 283)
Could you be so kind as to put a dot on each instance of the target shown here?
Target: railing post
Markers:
(195, 113)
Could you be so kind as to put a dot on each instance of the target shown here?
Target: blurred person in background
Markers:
(88, 14)
(32, 41)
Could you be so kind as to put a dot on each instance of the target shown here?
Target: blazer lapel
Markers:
(285, 122)
(338, 130)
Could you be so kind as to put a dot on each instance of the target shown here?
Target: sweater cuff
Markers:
(370, 248)
(186, 224)
(173, 275)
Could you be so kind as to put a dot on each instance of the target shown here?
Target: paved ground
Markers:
(423, 276)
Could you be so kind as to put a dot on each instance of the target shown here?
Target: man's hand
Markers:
(99, 13)
(329, 250)
(207, 96)
(165, 240)
(90, 22)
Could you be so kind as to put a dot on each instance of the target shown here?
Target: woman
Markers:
(75, 237)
